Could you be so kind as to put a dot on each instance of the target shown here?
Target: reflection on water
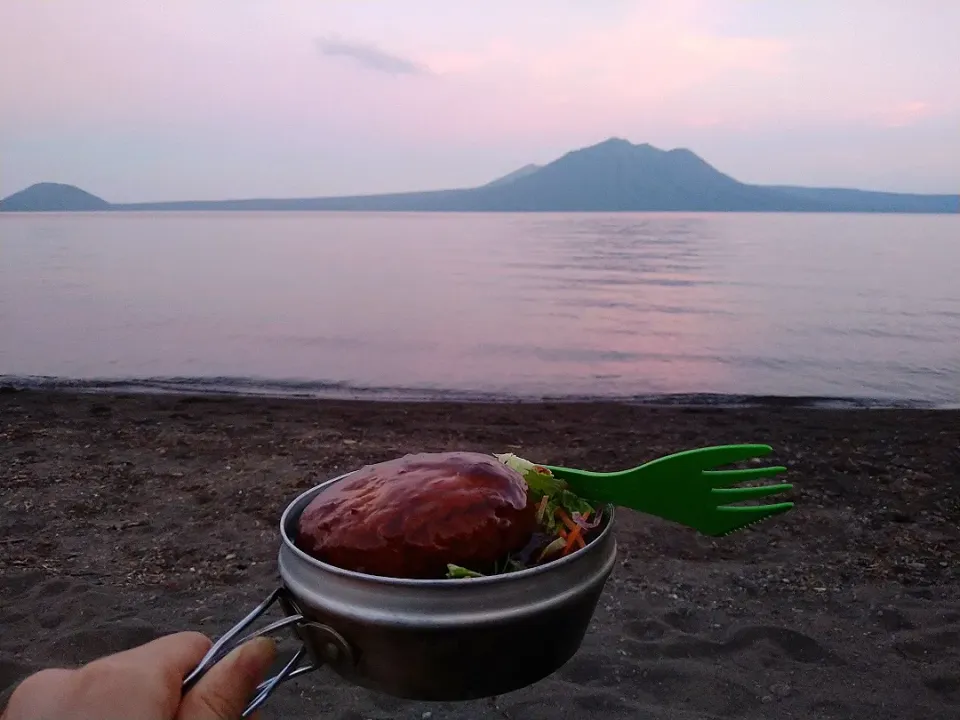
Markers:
(611, 305)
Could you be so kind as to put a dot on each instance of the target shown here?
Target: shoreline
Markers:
(338, 391)
(126, 516)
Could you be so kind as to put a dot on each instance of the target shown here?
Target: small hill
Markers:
(53, 197)
(865, 201)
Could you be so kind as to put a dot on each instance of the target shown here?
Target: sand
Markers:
(126, 517)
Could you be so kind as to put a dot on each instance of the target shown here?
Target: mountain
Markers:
(510, 177)
(612, 176)
(617, 175)
(53, 197)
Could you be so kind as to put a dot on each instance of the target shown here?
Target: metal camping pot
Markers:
(435, 640)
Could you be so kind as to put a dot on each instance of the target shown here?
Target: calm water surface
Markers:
(397, 305)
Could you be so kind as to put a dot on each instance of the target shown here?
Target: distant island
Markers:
(612, 176)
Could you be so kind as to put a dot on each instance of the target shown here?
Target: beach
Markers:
(124, 517)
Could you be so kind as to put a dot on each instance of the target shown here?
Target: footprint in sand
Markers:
(684, 619)
(946, 685)
(646, 629)
(787, 643)
(688, 687)
(930, 645)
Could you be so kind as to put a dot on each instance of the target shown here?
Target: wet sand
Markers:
(125, 517)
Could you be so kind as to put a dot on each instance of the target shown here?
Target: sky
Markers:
(136, 100)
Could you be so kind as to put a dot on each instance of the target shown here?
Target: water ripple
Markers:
(571, 306)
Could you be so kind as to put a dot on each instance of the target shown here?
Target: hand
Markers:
(144, 683)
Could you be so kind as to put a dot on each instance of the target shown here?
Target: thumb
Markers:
(228, 686)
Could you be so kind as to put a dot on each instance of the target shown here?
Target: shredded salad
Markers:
(564, 520)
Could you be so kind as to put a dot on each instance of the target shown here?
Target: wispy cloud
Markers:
(370, 57)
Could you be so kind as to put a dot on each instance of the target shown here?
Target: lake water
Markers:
(862, 307)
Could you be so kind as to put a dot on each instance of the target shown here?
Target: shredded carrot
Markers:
(571, 540)
(565, 519)
(575, 537)
(563, 533)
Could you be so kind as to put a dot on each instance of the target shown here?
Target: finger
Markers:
(724, 496)
(725, 478)
(229, 685)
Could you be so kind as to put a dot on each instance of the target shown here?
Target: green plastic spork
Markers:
(685, 488)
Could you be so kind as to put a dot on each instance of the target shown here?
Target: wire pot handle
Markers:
(300, 664)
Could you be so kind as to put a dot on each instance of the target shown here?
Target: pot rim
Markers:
(440, 583)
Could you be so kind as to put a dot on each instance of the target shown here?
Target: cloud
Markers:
(644, 60)
(906, 113)
(370, 57)
(653, 68)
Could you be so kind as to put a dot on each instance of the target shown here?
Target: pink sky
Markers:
(139, 100)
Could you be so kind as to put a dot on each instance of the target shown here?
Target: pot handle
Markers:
(300, 664)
